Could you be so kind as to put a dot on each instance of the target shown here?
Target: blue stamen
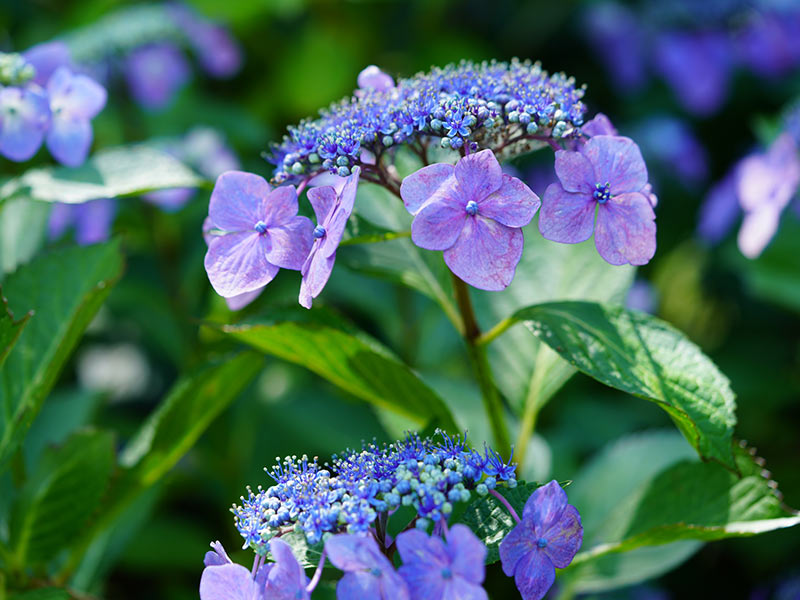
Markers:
(319, 232)
(602, 192)
(261, 227)
(542, 543)
(447, 573)
(375, 571)
(471, 208)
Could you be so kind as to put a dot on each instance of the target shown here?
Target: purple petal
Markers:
(486, 253)
(438, 224)
(758, 228)
(534, 575)
(236, 201)
(626, 230)
(76, 96)
(286, 580)
(328, 178)
(228, 582)
(467, 553)
(461, 589)
(719, 210)
(279, 205)
(155, 73)
(355, 552)
(564, 537)
(393, 587)
(69, 140)
(421, 185)
(239, 301)
(316, 272)
(25, 118)
(46, 58)
(336, 222)
(565, 217)
(322, 199)
(373, 78)
(770, 178)
(360, 585)
(170, 200)
(217, 556)
(478, 175)
(545, 505)
(518, 542)
(237, 263)
(61, 217)
(575, 172)
(93, 221)
(290, 243)
(219, 54)
(599, 125)
(513, 205)
(618, 161)
(416, 546)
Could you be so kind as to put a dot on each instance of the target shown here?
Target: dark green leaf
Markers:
(65, 290)
(646, 357)
(348, 358)
(360, 230)
(113, 172)
(50, 593)
(62, 493)
(10, 329)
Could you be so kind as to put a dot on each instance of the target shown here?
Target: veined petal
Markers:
(236, 201)
(518, 542)
(618, 161)
(564, 537)
(566, 217)
(575, 172)
(467, 553)
(239, 301)
(421, 185)
(513, 205)
(534, 575)
(486, 253)
(322, 200)
(626, 230)
(286, 580)
(461, 589)
(438, 224)
(290, 242)
(316, 272)
(228, 582)
(545, 506)
(351, 552)
(279, 205)
(478, 175)
(69, 139)
(237, 263)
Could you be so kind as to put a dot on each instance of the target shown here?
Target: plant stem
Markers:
(492, 403)
(317, 573)
(533, 404)
(505, 503)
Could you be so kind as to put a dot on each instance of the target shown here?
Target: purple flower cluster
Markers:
(346, 506)
(694, 46)
(45, 100)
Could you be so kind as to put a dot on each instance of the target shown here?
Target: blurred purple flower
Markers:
(697, 66)
(373, 78)
(608, 177)
(720, 209)
(642, 296)
(369, 575)
(670, 142)
(548, 536)
(46, 58)
(155, 73)
(218, 52)
(260, 233)
(74, 101)
(92, 220)
(769, 43)
(767, 183)
(24, 119)
(332, 208)
(437, 569)
(616, 36)
(474, 213)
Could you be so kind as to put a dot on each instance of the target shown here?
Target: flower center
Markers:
(602, 192)
(375, 571)
(261, 227)
(542, 543)
(471, 208)
(319, 231)
(447, 573)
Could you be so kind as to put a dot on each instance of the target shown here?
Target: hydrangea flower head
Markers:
(548, 536)
(24, 119)
(369, 575)
(259, 233)
(332, 208)
(473, 212)
(607, 177)
(441, 569)
(74, 101)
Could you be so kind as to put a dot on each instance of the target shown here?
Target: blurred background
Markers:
(299, 56)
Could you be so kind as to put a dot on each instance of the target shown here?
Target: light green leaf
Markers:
(10, 329)
(324, 343)
(113, 172)
(23, 225)
(646, 357)
(307, 555)
(65, 290)
(62, 493)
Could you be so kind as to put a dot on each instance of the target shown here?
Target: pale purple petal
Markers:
(351, 552)
(236, 201)
(518, 542)
(76, 96)
(316, 272)
(373, 78)
(770, 178)
(291, 242)
(626, 230)
(328, 178)
(534, 575)
(25, 116)
(393, 586)
(478, 175)
(461, 589)
(467, 554)
(417, 547)
(545, 505)
(719, 210)
(286, 580)
(421, 185)
(219, 54)
(564, 537)
(575, 172)
(438, 224)
(46, 58)
(323, 200)
(618, 161)
(359, 585)
(228, 582)
(69, 140)
(757, 230)
(217, 556)
(514, 204)
(62, 216)
(423, 584)
(565, 217)
(335, 223)
(237, 263)
(170, 200)
(93, 221)
(279, 205)
(486, 253)
(239, 301)
(599, 125)
(155, 73)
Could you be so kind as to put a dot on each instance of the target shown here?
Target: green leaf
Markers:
(490, 520)
(330, 347)
(113, 172)
(50, 593)
(65, 290)
(546, 273)
(10, 329)
(61, 496)
(360, 230)
(646, 357)
(23, 225)
(307, 555)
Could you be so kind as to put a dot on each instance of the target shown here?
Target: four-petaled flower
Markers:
(608, 177)
(437, 569)
(474, 213)
(369, 575)
(548, 536)
(332, 207)
(24, 118)
(260, 233)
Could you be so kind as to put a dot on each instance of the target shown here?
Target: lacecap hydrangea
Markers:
(342, 509)
(459, 121)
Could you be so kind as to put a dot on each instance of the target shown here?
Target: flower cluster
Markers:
(694, 46)
(45, 100)
(454, 105)
(346, 506)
